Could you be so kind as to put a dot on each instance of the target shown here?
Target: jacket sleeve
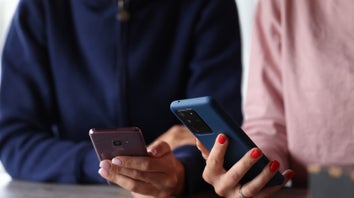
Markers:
(31, 147)
(264, 106)
(215, 70)
(194, 165)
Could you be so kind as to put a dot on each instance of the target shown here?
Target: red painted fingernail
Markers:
(290, 175)
(221, 139)
(256, 153)
(274, 165)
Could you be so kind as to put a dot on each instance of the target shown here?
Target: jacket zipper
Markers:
(122, 64)
(123, 14)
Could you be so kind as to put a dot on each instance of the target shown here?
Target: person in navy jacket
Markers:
(72, 65)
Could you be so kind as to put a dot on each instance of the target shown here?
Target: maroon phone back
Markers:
(110, 143)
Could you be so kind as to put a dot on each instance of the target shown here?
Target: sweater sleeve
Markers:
(30, 142)
(193, 164)
(264, 108)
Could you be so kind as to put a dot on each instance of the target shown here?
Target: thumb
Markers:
(158, 149)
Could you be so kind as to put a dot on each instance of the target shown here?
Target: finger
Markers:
(230, 180)
(135, 185)
(215, 161)
(259, 182)
(119, 175)
(136, 195)
(205, 152)
(270, 191)
(234, 175)
(113, 174)
(158, 171)
(162, 177)
(288, 175)
(155, 178)
(160, 194)
(159, 149)
(148, 164)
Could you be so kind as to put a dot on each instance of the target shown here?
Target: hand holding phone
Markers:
(109, 143)
(205, 118)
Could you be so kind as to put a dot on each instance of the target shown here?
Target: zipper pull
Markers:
(123, 14)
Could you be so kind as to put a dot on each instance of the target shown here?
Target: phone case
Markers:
(205, 118)
(109, 143)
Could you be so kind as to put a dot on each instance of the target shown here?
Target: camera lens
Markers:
(193, 121)
(117, 143)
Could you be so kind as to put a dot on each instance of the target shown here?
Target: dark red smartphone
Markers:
(110, 143)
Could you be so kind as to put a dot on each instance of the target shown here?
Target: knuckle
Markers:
(176, 128)
(171, 181)
(249, 190)
(131, 186)
(235, 176)
(162, 194)
(220, 190)
(146, 165)
(247, 163)
(212, 162)
(136, 174)
(207, 177)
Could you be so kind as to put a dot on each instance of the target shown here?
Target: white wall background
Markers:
(7, 8)
(246, 10)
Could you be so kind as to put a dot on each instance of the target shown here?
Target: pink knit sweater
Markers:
(299, 106)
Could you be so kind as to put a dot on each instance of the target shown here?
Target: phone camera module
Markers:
(193, 121)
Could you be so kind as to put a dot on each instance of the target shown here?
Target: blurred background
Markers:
(7, 8)
(245, 8)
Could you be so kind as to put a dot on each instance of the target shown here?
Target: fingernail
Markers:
(153, 151)
(290, 175)
(103, 172)
(116, 161)
(256, 153)
(105, 165)
(274, 165)
(221, 139)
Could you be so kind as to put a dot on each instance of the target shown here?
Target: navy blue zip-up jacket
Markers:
(70, 65)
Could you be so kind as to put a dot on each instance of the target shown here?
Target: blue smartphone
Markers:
(205, 118)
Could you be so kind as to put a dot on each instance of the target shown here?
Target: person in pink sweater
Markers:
(299, 107)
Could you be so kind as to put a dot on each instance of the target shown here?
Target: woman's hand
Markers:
(159, 175)
(227, 183)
